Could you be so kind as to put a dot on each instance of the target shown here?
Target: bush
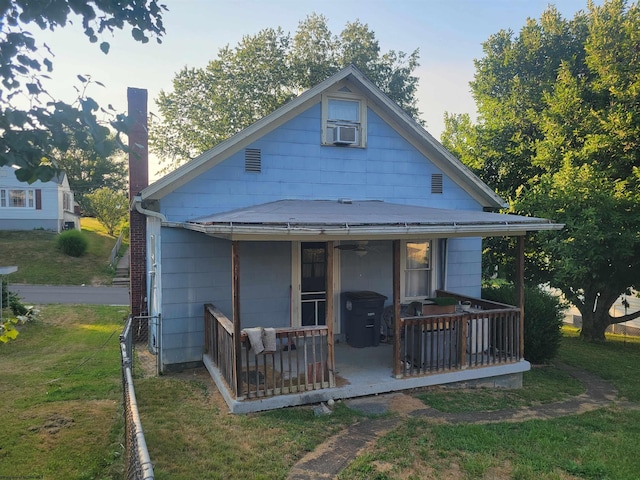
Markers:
(543, 315)
(72, 243)
(12, 301)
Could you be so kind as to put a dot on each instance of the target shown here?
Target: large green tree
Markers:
(109, 207)
(558, 135)
(33, 133)
(264, 71)
(89, 169)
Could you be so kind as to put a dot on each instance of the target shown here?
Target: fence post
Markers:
(137, 460)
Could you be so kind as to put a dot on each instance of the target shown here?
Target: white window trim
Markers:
(362, 124)
(403, 267)
(30, 195)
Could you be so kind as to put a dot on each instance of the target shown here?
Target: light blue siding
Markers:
(265, 284)
(296, 166)
(196, 268)
(464, 270)
(372, 272)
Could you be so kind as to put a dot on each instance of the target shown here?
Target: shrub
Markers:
(12, 301)
(543, 313)
(72, 243)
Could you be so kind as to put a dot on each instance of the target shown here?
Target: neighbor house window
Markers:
(66, 201)
(344, 120)
(11, 198)
(417, 269)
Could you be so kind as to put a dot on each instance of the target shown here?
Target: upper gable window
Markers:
(344, 120)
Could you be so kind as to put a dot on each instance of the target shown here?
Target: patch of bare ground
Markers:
(57, 423)
(405, 404)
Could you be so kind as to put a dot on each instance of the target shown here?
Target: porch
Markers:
(484, 342)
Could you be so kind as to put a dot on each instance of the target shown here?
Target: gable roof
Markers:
(359, 220)
(59, 177)
(406, 125)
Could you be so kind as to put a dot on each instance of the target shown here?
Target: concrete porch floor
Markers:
(368, 371)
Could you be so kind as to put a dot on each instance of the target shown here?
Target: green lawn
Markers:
(61, 396)
(60, 387)
(597, 445)
(41, 263)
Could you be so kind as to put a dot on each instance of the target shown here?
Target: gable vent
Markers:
(436, 183)
(253, 160)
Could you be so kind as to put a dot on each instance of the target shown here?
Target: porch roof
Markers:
(359, 220)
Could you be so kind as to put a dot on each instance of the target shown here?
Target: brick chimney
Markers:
(138, 180)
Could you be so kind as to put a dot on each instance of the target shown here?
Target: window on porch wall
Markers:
(416, 265)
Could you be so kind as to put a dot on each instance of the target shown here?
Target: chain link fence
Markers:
(137, 461)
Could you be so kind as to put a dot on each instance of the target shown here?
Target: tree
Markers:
(264, 71)
(558, 131)
(109, 207)
(90, 169)
(32, 137)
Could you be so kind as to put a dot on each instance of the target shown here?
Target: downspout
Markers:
(137, 203)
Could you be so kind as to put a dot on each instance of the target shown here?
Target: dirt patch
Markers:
(202, 378)
(146, 361)
(53, 424)
(405, 404)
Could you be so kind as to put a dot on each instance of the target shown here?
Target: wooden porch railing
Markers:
(489, 334)
(300, 362)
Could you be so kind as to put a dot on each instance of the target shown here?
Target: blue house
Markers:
(330, 250)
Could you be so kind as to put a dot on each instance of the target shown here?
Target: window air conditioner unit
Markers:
(345, 134)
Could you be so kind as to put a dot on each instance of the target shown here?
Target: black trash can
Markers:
(363, 314)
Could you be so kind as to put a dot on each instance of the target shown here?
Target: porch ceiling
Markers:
(359, 220)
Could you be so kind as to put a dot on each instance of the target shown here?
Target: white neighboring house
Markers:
(40, 205)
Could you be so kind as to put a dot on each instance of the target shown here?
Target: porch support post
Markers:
(520, 289)
(397, 370)
(329, 314)
(235, 293)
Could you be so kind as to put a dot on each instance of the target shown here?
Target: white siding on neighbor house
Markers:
(51, 215)
(296, 166)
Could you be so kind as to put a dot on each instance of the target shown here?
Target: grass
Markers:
(190, 434)
(540, 385)
(60, 388)
(61, 396)
(596, 445)
(40, 262)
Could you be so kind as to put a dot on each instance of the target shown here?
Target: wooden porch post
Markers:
(520, 289)
(397, 369)
(235, 293)
(329, 317)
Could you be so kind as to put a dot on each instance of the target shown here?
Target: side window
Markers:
(344, 122)
(417, 270)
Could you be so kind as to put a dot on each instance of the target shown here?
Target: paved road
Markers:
(47, 294)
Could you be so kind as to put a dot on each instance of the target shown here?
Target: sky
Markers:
(448, 33)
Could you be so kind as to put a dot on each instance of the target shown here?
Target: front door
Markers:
(313, 294)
